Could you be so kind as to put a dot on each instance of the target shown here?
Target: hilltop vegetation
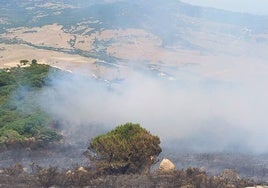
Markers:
(20, 118)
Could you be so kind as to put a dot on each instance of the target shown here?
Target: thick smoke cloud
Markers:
(190, 111)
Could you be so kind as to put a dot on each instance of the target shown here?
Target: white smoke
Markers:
(203, 113)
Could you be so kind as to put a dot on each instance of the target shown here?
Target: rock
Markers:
(69, 172)
(25, 169)
(166, 166)
(82, 169)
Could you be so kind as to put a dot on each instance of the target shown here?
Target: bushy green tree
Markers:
(128, 148)
(34, 61)
(24, 62)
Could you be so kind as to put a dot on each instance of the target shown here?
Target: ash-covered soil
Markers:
(25, 167)
(15, 176)
(40, 164)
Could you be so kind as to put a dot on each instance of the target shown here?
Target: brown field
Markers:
(12, 54)
(224, 53)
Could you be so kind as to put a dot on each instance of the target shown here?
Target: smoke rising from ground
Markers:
(191, 111)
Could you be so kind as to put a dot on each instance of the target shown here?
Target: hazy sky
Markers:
(250, 6)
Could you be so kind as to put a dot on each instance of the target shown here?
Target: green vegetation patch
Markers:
(20, 116)
(128, 148)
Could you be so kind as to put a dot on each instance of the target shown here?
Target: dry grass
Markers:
(46, 177)
(222, 61)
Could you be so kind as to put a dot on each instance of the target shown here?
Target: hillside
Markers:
(22, 122)
(194, 76)
(99, 35)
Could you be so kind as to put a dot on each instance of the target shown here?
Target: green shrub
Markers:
(34, 61)
(10, 136)
(24, 62)
(48, 135)
(6, 78)
(128, 148)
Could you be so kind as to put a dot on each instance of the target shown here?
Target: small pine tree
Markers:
(34, 62)
(128, 148)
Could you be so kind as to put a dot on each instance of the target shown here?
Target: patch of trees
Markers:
(20, 117)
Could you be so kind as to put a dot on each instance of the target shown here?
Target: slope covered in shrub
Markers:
(20, 117)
